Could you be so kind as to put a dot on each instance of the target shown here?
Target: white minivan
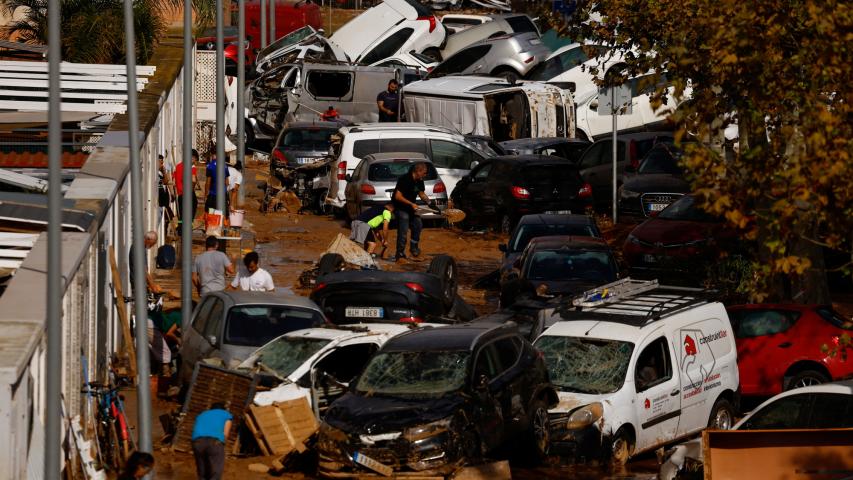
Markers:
(638, 365)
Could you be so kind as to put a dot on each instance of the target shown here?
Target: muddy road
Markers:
(289, 244)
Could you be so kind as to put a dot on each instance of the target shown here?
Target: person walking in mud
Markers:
(409, 188)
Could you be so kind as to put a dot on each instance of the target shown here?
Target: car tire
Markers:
(722, 415)
(444, 267)
(540, 435)
(433, 53)
(805, 378)
(507, 74)
(329, 263)
(621, 447)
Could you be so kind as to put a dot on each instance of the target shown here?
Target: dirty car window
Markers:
(256, 325)
(286, 354)
(585, 365)
(414, 373)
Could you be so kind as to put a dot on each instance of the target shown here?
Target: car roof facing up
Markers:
(452, 337)
(556, 219)
(239, 297)
(554, 242)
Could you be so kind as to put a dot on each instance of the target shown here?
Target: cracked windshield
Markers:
(414, 373)
(585, 365)
(286, 354)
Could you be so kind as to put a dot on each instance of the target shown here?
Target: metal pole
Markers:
(186, 201)
(241, 85)
(53, 402)
(263, 12)
(273, 33)
(140, 304)
(614, 114)
(220, 109)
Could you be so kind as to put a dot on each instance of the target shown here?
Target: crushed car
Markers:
(638, 365)
(434, 399)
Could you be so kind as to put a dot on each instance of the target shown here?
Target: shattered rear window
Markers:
(414, 373)
(286, 354)
(585, 365)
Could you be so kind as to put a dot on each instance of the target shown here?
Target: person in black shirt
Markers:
(389, 103)
(409, 187)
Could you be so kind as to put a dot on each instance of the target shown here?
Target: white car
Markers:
(500, 25)
(318, 363)
(413, 60)
(457, 22)
(829, 405)
(637, 365)
(452, 155)
(561, 66)
(390, 28)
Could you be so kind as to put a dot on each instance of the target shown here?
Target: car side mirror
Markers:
(474, 164)
(348, 177)
(212, 339)
(502, 247)
(593, 105)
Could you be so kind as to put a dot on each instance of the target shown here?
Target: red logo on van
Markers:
(689, 345)
(647, 404)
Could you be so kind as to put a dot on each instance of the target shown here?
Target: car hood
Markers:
(358, 414)
(673, 232)
(570, 401)
(657, 183)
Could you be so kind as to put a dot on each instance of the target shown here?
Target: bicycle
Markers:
(114, 441)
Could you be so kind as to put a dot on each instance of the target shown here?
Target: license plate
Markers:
(558, 212)
(656, 207)
(650, 258)
(372, 464)
(364, 312)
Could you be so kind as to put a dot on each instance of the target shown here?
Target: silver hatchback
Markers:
(508, 56)
(375, 177)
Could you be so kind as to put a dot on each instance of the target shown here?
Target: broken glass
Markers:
(585, 365)
(286, 354)
(414, 373)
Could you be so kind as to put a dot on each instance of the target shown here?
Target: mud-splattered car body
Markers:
(433, 399)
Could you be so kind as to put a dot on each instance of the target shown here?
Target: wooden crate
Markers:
(282, 427)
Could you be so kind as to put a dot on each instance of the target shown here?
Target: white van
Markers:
(452, 155)
(637, 365)
(491, 106)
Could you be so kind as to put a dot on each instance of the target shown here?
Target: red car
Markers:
(779, 346)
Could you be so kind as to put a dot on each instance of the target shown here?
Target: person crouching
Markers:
(365, 229)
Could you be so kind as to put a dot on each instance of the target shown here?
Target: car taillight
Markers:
(431, 20)
(585, 191)
(342, 170)
(530, 59)
(836, 340)
(411, 320)
(632, 155)
(368, 189)
(415, 287)
(279, 157)
(439, 188)
(319, 287)
(520, 192)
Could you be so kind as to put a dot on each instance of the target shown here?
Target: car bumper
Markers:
(577, 445)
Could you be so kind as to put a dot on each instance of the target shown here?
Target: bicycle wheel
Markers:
(116, 453)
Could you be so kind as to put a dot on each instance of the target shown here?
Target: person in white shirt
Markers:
(235, 180)
(254, 279)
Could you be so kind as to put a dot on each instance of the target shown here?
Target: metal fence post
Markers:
(219, 188)
(241, 85)
(187, 214)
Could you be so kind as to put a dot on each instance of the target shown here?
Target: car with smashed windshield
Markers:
(434, 399)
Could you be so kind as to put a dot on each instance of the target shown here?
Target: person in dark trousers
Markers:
(409, 188)
(210, 185)
(179, 187)
(209, 433)
(389, 103)
(138, 465)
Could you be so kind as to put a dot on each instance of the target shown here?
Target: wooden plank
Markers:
(76, 85)
(259, 438)
(82, 78)
(122, 314)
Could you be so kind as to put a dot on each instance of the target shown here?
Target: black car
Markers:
(659, 181)
(596, 163)
(568, 148)
(500, 190)
(432, 399)
(376, 296)
(544, 225)
(559, 265)
(301, 143)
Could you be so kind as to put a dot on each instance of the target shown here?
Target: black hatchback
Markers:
(500, 190)
(659, 181)
(434, 399)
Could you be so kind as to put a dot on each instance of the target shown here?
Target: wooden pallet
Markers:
(282, 427)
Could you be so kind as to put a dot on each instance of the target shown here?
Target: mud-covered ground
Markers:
(288, 245)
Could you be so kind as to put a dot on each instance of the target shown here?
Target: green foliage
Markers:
(93, 30)
(781, 70)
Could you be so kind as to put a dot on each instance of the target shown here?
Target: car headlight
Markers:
(428, 430)
(633, 239)
(585, 416)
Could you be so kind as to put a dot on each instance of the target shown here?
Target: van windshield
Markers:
(585, 365)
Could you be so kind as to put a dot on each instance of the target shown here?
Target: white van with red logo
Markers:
(638, 365)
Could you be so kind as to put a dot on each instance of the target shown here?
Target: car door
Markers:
(194, 343)
(658, 403)
(337, 368)
(214, 330)
(514, 383)
(488, 413)
(763, 348)
(472, 190)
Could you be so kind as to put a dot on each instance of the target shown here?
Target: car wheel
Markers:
(806, 378)
(433, 53)
(722, 415)
(320, 205)
(621, 447)
(329, 263)
(540, 433)
(507, 74)
(444, 267)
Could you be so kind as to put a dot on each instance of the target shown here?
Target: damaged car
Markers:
(435, 399)
(638, 365)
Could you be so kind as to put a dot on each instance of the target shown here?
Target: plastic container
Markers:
(236, 218)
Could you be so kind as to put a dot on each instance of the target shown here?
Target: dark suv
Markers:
(501, 190)
(301, 143)
(658, 182)
(433, 399)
